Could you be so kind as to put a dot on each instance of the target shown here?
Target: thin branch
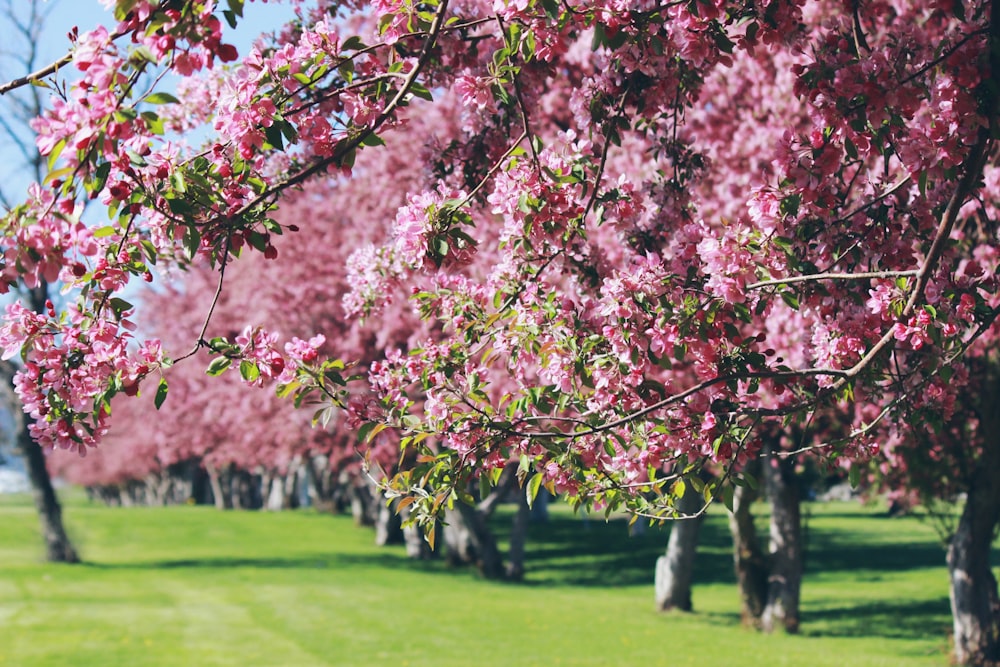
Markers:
(200, 343)
(36, 76)
(868, 275)
(349, 145)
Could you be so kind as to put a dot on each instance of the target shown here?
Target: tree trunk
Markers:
(417, 547)
(674, 570)
(274, 492)
(19, 114)
(58, 548)
(320, 483)
(459, 544)
(362, 504)
(975, 604)
(749, 560)
(518, 538)
(388, 523)
(220, 482)
(487, 554)
(784, 581)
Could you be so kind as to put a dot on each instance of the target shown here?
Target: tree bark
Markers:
(749, 560)
(58, 547)
(320, 483)
(417, 547)
(362, 504)
(784, 581)
(459, 544)
(220, 482)
(975, 604)
(518, 539)
(486, 553)
(388, 523)
(675, 569)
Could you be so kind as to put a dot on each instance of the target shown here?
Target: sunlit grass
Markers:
(194, 586)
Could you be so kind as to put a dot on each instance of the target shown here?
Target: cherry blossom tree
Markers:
(25, 25)
(650, 302)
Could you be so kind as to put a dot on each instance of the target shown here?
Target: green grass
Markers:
(193, 586)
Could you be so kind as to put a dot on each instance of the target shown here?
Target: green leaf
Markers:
(218, 366)
(58, 174)
(161, 393)
(180, 207)
(531, 491)
(854, 475)
(440, 245)
(727, 496)
(790, 299)
(430, 535)
(420, 91)
(352, 43)
(249, 371)
(119, 305)
(100, 177)
(274, 136)
(56, 151)
(162, 98)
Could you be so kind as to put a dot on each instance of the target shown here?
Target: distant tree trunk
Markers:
(540, 508)
(784, 581)
(975, 604)
(320, 483)
(468, 537)
(675, 569)
(749, 560)
(363, 507)
(201, 483)
(280, 490)
(19, 110)
(290, 484)
(518, 539)
(58, 548)
(388, 523)
(486, 552)
(245, 489)
(413, 536)
(459, 544)
(221, 483)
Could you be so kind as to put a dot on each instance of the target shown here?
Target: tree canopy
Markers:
(643, 235)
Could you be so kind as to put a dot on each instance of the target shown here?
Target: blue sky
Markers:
(88, 13)
(63, 15)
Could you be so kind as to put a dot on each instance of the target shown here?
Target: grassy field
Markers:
(193, 586)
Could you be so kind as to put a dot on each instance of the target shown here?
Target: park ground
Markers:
(195, 586)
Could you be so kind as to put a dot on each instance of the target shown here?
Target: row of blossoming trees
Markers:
(658, 240)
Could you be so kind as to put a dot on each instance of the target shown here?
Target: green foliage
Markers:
(192, 585)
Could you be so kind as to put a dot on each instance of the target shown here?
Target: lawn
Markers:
(194, 586)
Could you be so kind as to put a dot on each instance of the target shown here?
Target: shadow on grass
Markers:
(569, 551)
(889, 619)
